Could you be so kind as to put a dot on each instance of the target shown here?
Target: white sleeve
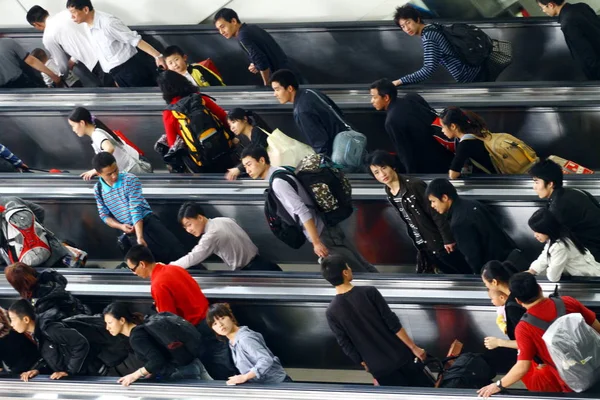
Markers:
(120, 32)
(291, 200)
(57, 54)
(199, 253)
(559, 257)
(541, 264)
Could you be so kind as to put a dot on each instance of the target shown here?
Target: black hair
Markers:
(498, 270)
(239, 114)
(139, 253)
(380, 158)
(407, 12)
(36, 14)
(440, 187)
(466, 121)
(332, 268)
(172, 50)
(256, 152)
(40, 54)
(524, 287)
(189, 209)
(385, 87)
(102, 160)
(83, 114)
(546, 2)
(219, 310)
(544, 222)
(227, 14)
(80, 4)
(174, 85)
(23, 308)
(119, 309)
(548, 171)
(285, 78)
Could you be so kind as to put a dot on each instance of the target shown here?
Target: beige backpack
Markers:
(508, 154)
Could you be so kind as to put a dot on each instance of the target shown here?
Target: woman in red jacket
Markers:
(175, 87)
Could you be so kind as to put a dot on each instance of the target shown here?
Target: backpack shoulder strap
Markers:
(322, 100)
(561, 310)
(535, 321)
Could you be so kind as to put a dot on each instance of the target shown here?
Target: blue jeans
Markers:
(194, 370)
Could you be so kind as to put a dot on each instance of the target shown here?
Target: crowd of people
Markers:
(52, 332)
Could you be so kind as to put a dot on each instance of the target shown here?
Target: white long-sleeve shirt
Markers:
(62, 36)
(112, 40)
(562, 259)
(224, 238)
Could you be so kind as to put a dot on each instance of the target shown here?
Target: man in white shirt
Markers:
(116, 46)
(69, 46)
(222, 237)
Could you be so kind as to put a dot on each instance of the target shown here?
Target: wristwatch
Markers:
(499, 384)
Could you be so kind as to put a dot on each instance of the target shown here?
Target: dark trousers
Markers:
(260, 264)
(451, 263)
(410, 375)
(165, 247)
(7, 166)
(22, 82)
(135, 72)
(216, 355)
(336, 242)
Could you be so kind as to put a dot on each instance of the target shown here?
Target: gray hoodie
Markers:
(250, 353)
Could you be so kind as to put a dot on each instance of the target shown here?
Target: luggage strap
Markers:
(543, 325)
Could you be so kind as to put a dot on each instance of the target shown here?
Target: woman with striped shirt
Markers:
(436, 50)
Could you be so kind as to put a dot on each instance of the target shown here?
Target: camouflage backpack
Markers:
(328, 187)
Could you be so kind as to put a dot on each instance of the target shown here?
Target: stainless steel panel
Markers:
(362, 51)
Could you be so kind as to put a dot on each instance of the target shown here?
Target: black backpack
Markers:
(469, 371)
(283, 226)
(179, 337)
(203, 133)
(470, 44)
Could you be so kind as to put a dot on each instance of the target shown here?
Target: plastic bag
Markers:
(575, 349)
(285, 151)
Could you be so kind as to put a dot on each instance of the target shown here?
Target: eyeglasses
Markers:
(134, 268)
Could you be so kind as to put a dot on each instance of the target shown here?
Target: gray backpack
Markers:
(349, 146)
(573, 345)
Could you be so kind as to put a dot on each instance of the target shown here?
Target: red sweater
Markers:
(172, 127)
(174, 290)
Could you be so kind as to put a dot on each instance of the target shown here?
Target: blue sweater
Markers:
(9, 156)
(123, 201)
(437, 50)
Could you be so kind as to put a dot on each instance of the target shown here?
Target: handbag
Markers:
(285, 151)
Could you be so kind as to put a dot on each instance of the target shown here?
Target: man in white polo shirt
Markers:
(63, 38)
(116, 46)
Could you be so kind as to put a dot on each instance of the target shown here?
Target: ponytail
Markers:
(239, 114)
(498, 270)
(466, 121)
(119, 310)
(83, 114)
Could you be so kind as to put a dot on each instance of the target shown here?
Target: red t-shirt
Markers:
(529, 338)
(172, 127)
(174, 290)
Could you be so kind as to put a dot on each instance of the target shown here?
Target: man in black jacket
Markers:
(478, 235)
(76, 346)
(581, 27)
(408, 124)
(316, 115)
(266, 57)
(429, 230)
(369, 332)
(576, 209)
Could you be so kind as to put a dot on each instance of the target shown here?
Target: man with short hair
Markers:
(314, 112)
(197, 74)
(116, 46)
(577, 209)
(174, 290)
(529, 337)
(436, 50)
(265, 55)
(220, 236)
(11, 72)
(408, 123)
(121, 205)
(369, 332)
(478, 236)
(68, 43)
(300, 207)
(581, 28)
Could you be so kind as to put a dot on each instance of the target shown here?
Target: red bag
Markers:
(209, 64)
(122, 136)
(570, 167)
(449, 144)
